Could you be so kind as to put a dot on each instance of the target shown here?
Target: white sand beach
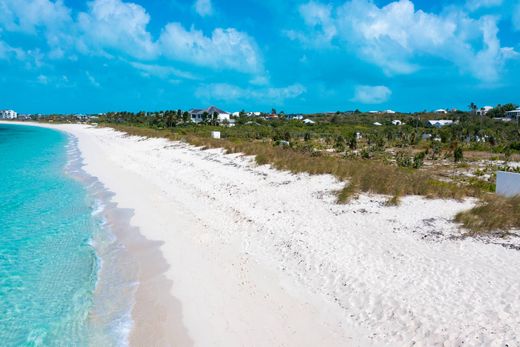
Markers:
(259, 257)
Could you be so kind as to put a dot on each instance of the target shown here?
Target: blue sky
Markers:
(69, 56)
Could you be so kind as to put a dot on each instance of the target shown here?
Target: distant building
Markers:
(294, 116)
(308, 121)
(513, 114)
(484, 110)
(397, 122)
(389, 111)
(440, 123)
(8, 114)
(441, 111)
(197, 115)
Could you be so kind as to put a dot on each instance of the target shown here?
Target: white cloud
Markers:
(115, 25)
(395, 36)
(204, 7)
(27, 15)
(226, 48)
(43, 79)
(115, 28)
(7, 51)
(148, 70)
(319, 17)
(474, 5)
(516, 17)
(371, 94)
(227, 92)
(92, 79)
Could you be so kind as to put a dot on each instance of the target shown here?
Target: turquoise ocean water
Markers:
(52, 244)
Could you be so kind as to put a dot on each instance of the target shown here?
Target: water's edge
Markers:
(110, 318)
(132, 302)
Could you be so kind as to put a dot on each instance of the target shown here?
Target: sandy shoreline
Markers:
(250, 254)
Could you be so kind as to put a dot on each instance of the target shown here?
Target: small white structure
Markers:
(397, 122)
(508, 183)
(215, 134)
(377, 124)
(440, 122)
(8, 114)
(309, 121)
(513, 114)
(484, 110)
(441, 111)
(389, 112)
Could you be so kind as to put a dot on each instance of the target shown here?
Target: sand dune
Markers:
(266, 258)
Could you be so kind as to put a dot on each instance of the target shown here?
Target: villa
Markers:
(8, 114)
(513, 114)
(197, 115)
(441, 111)
(440, 123)
(484, 110)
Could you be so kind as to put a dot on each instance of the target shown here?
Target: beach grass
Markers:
(360, 175)
(493, 214)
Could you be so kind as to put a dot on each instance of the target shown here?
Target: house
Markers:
(397, 122)
(309, 122)
(294, 116)
(513, 114)
(8, 114)
(441, 111)
(377, 124)
(440, 123)
(484, 110)
(198, 115)
(389, 112)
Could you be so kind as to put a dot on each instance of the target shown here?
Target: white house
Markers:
(441, 110)
(440, 123)
(484, 110)
(8, 114)
(513, 114)
(308, 121)
(397, 122)
(377, 124)
(197, 115)
(389, 111)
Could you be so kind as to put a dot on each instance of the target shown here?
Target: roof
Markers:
(440, 122)
(209, 110)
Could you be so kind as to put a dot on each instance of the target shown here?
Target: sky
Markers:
(71, 56)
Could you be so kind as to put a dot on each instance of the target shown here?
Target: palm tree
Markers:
(473, 107)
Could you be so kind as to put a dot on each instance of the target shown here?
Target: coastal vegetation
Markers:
(390, 154)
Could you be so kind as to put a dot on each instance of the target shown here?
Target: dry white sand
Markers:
(260, 257)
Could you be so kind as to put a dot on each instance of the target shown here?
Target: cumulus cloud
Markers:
(319, 17)
(225, 48)
(395, 37)
(27, 15)
(204, 7)
(371, 94)
(115, 25)
(228, 92)
(116, 28)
